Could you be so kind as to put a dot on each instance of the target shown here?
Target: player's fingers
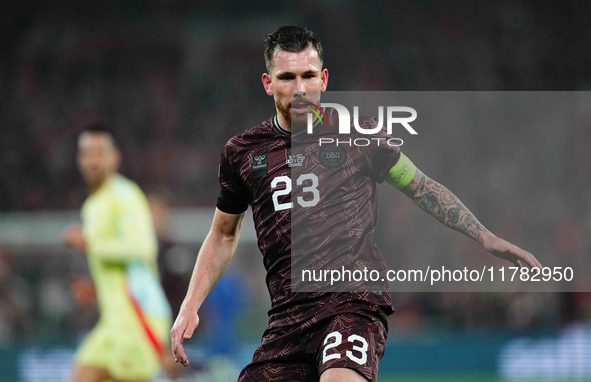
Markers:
(530, 260)
(188, 332)
(180, 356)
(182, 330)
(176, 340)
(531, 263)
(535, 262)
(177, 348)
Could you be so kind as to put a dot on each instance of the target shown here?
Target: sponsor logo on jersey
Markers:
(295, 160)
(259, 167)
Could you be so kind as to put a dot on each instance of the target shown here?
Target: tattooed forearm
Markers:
(453, 215)
(443, 205)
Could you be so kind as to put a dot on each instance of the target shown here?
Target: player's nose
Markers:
(299, 85)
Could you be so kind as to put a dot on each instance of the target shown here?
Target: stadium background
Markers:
(176, 80)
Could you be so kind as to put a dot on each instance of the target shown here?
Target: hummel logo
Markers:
(260, 158)
(259, 167)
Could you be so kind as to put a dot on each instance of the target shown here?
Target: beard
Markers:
(285, 111)
(293, 119)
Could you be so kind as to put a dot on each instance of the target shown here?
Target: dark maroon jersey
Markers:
(354, 340)
(330, 190)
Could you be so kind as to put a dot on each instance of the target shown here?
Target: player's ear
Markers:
(266, 78)
(324, 78)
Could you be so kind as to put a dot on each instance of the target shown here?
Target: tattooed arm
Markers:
(442, 204)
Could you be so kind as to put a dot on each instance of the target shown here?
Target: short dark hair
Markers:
(291, 39)
(99, 128)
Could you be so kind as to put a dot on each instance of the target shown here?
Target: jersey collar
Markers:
(285, 132)
(276, 124)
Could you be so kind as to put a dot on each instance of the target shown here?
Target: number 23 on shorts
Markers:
(359, 346)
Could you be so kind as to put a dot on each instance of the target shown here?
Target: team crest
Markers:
(332, 156)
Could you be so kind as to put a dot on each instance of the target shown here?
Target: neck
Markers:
(283, 123)
(93, 187)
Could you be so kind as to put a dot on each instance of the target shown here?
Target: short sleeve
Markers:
(233, 197)
(382, 154)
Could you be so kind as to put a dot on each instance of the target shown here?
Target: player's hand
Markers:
(507, 251)
(74, 238)
(183, 328)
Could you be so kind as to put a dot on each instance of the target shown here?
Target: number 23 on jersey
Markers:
(281, 185)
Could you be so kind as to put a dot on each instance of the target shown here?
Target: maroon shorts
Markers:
(354, 340)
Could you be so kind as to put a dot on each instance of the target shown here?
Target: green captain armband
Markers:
(401, 173)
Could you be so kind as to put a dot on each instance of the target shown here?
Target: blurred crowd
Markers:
(176, 82)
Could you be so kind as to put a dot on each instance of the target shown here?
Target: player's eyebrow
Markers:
(292, 74)
(286, 75)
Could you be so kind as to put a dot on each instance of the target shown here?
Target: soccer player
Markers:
(314, 335)
(120, 244)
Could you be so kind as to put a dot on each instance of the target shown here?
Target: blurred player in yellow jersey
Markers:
(118, 237)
